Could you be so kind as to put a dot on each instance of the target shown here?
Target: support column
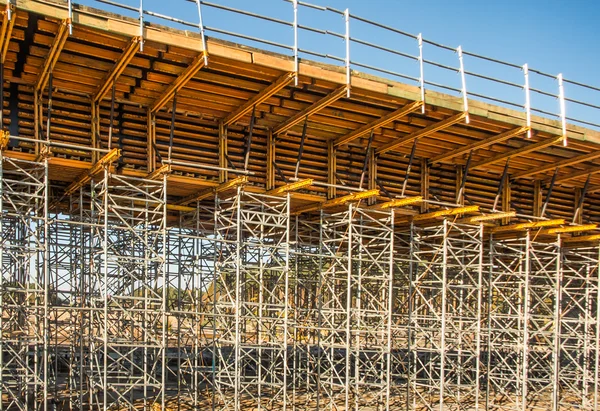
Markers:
(223, 153)
(425, 168)
(151, 135)
(331, 169)
(270, 166)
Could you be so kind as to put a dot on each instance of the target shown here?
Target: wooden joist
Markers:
(7, 29)
(582, 239)
(491, 217)
(577, 174)
(528, 226)
(310, 110)
(517, 152)
(560, 164)
(53, 54)
(159, 172)
(118, 68)
(187, 74)
(570, 229)
(259, 98)
(433, 128)
(297, 185)
(211, 191)
(381, 122)
(479, 145)
(361, 195)
(85, 177)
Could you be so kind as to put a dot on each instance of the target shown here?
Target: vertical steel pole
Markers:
(295, 25)
(347, 39)
(527, 99)
(463, 83)
(557, 327)
(563, 114)
(141, 20)
(421, 72)
(525, 322)
(202, 35)
(70, 14)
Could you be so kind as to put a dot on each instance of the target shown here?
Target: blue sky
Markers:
(551, 36)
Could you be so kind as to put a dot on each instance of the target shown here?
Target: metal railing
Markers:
(359, 44)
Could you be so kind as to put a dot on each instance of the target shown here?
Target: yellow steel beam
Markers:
(527, 226)
(85, 177)
(380, 122)
(336, 201)
(517, 152)
(312, 109)
(118, 68)
(211, 191)
(401, 202)
(291, 187)
(553, 166)
(7, 29)
(571, 176)
(446, 213)
(4, 139)
(479, 145)
(433, 128)
(261, 97)
(57, 45)
(187, 74)
(490, 217)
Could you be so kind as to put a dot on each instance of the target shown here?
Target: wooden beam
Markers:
(158, 173)
(570, 229)
(336, 201)
(571, 176)
(223, 174)
(446, 213)
(7, 29)
(57, 45)
(425, 168)
(506, 200)
(527, 226)
(372, 177)
(517, 152)
(538, 198)
(479, 145)
(211, 191)
(490, 217)
(380, 122)
(582, 239)
(187, 74)
(297, 185)
(310, 110)
(433, 128)
(118, 68)
(553, 166)
(260, 98)
(271, 154)
(331, 169)
(151, 141)
(85, 177)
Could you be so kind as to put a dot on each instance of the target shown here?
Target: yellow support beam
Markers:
(427, 131)
(381, 122)
(446, 213)
(312, 109)
(4, 139)
(336, 201)
(260, 98)
(517, 152)
(527, 226)
(53, 54)
(578, 174)
(187, 74)
(401, 202)
(479, 145)
(7, 29)
(85, 177)
(291, 187)
(490, 217)
(118, 68)
(211, 191)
